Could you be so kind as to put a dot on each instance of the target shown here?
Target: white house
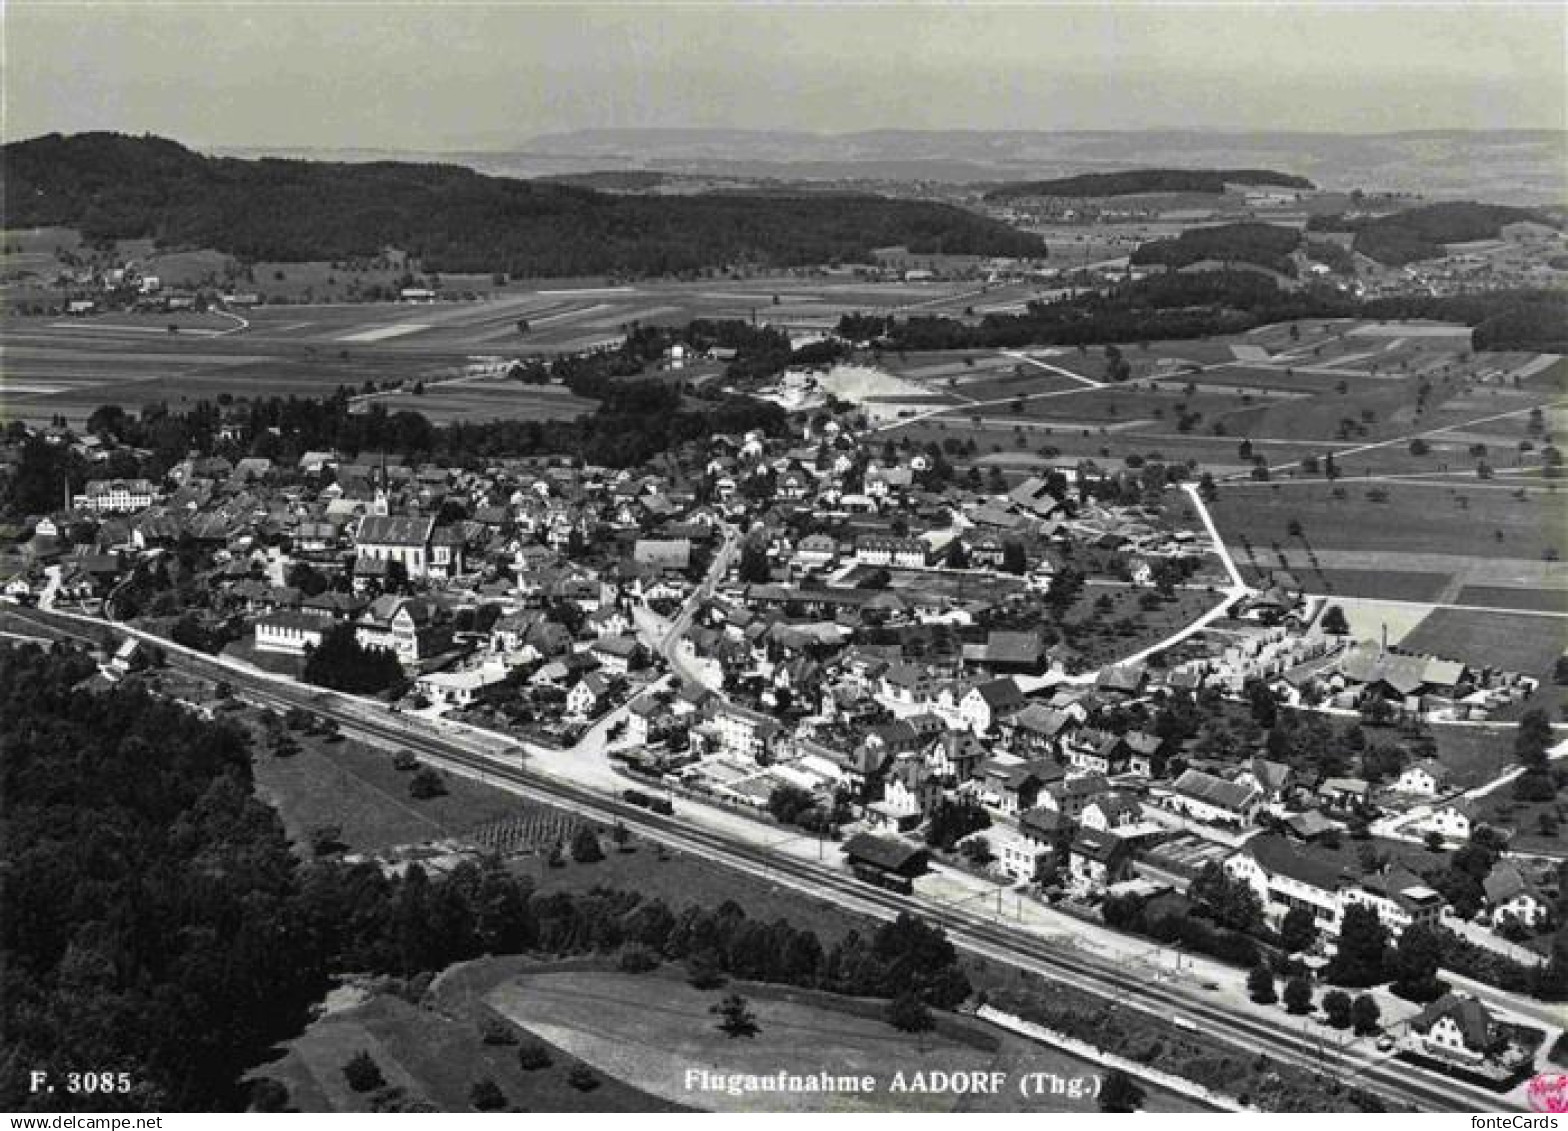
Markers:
(1020, 857)
(116, 496)
(290, 633)
(745, 732)
(1453, 821)
(405, 539)
(1426, 778)
(1510, 896)
(1455, 1027)
(616, 654)
(460, 689)
(890, 550)
(1283, 878)
(587, 695)
(1213, 800)
(987, 702)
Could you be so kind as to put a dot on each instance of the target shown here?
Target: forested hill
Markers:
(1266, 245)
(452, 218)
(1135, 181)
(1421, 233)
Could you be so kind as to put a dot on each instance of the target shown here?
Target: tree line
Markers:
(1203, 304)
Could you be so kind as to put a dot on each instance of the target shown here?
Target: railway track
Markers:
(1397, 1081)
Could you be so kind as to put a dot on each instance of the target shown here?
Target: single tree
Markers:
(1334, 621)
(1362, 955)
(1298, 995)
(486, 1095)
(363, 1073)
(1260, 986)
(1338, 1008)
(426, 784)
(1414, 962)
(1365, 1015)
(585, 846)
(495, 1031)
(1298, 931)
(735, 1017)
(533, 1056)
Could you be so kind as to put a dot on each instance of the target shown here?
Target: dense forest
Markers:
(149, 915)
(1420, 233)
(1266, 245)
(1134, 181)
(154, 922)
(453, 219)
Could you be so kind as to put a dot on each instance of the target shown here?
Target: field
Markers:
(356, 788)
(1473, 755)
(1400, 521)
(639, 1034)
(1358, 390)
(433, 1056)
(1523, 820)
(681, 879)
(488, 398)
(1372, 619)
(648, 1030)
(1410, 585)
(1508, 597)
(55, 365)
(1126, 627)
(1515, 642)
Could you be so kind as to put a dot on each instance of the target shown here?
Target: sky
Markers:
(432, 76)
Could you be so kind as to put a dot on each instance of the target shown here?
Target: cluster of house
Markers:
(1074, 797)
(525, 580)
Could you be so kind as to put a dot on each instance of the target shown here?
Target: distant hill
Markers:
(1136, 181)
(112, 186)
(1265, 245)
(1420, 233)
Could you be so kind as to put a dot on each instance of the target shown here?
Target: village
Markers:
(1029, 680)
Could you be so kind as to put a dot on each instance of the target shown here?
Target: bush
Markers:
(582, 1078)
(533, 1056)
(363, 1073)
(426, 784)
(585, 846)
(496, 1031)
(486, 1095)
(405, 761)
